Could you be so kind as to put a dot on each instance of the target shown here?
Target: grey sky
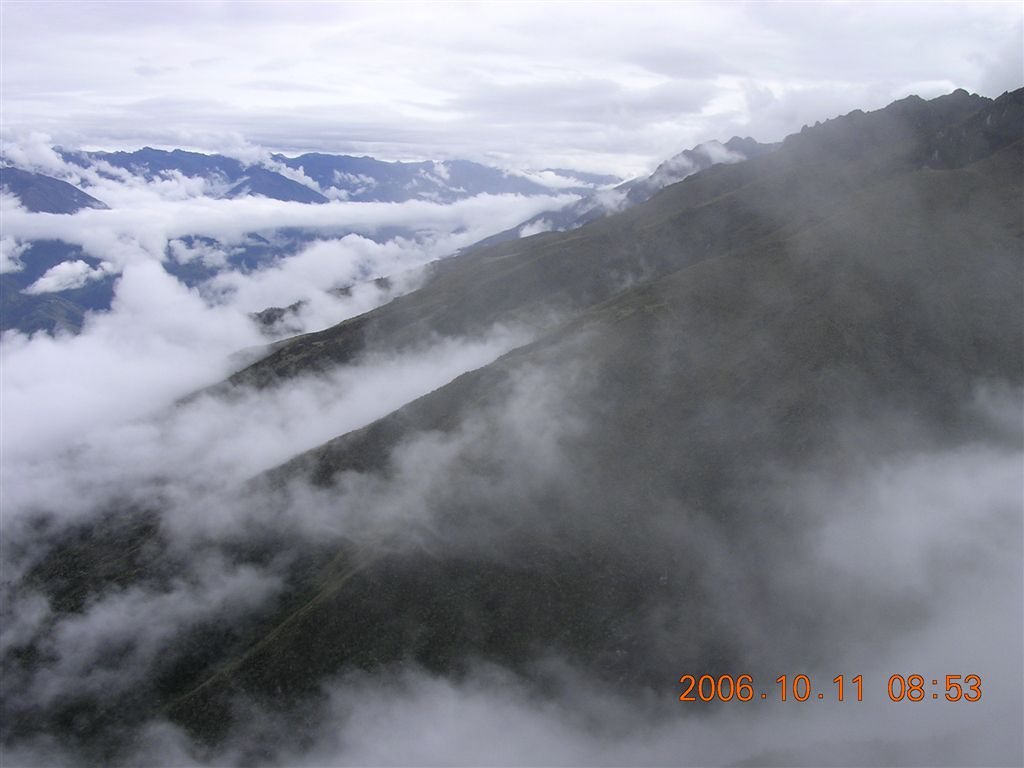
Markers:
(596, 86)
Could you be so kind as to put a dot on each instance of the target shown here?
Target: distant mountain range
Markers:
(318, 178)
(313, 178)
(308, 179)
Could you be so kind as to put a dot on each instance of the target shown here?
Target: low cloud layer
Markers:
(883, 531)
(144, 217)
(322, 258)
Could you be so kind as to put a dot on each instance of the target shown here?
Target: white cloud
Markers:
(441, 171)
(143, 218)
(86, 412)
(207, 254)
(295, 174)
(550, 179)
(159, 341)
(33, 151)
(315, 272)
(149, 221)
(68, 275)
(10, 254)
(716, 152)
(541, 225)
(612, 200)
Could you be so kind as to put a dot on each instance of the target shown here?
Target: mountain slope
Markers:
(264, 183)
(763, 357)
(43, 194)
(708, 214)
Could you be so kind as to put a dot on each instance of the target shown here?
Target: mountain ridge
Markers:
(316, 177)
(634, 191)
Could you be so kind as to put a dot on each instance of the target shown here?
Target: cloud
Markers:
(173, 218)
(102, 424)
(554, 711)
(89, 423)
(316, 273)
(34, 151)
(295, 174)
(68, 275)
(100, 434)
(551, 179)
(142, 624)
(159, 341)
(856, 563)
(612, 200)
(541, 225)
(210, 255)
(144, 216)
(10, 254)
(148, 228)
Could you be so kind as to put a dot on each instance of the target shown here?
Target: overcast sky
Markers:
(595, 86)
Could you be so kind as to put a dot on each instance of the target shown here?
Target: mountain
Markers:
(43, 194)
(151, 163)
(299, 180)
(641, 491)
(304, 179)
(62, 310)
(690, 161)
(629, 193)
(710, 213)
(263, 183)
(720, 339)
(317, 177)
(759, 356)
(977, 137)
(365, 179)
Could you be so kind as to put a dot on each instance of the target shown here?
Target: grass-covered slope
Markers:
(678, 404)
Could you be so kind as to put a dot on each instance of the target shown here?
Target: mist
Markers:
(911, 565)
